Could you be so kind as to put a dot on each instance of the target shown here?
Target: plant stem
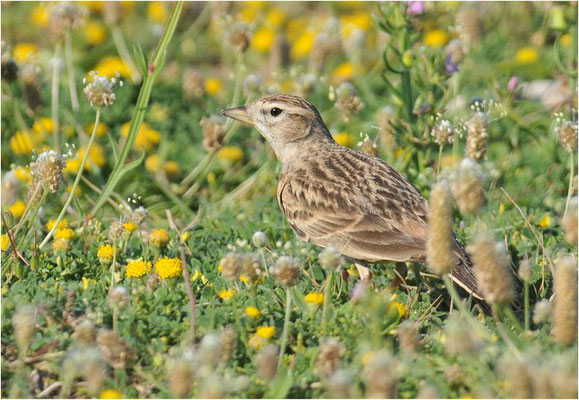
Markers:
(284, 335)
(70, 71)
(570, 189)
(54, 97)
(190, 295)
(454, 295)
(76, 181)
(327, 297)
(527, 310)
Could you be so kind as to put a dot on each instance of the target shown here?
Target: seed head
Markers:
(231, 265)
(140, 215)
(192, 83)
(440, 241)
(385, 118)
(239, 37)
(209, 351)
(491, 262)
(381, 376)
(330, 356)
(569, 222)
(286, 271)
(94, 370)
(114, 350)
(461, 338)
(519, 382)
(542, 311)
(250, 268)
(213, 129)
(266, 362)
(455, 48)
(477, 136)
(565, 308)
(443, 132)
(24, 323)
(567, 133)
(331, 259)
(467, 188)
(408, 336)
(66, 16)
(252, 84)
(85, 333)
(100, 92)
(468, 26)
(259, 239)
(181, 375)
(159, 238)
(347, 101)
(116, 230)
(339, 384)
(47, 170)
(119, 297)
(525, 270)
(112, 12)
(228, 343)
(368, 146)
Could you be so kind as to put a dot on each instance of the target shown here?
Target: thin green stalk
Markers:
(70, 70)
(439, 158)
(570, 189)
(285, 333)
(76, 181)
(27, 210)
(527, 310)
(153, 69)
(407, 92)
(454, 295)
(24, 242)
(54, 97)
(113, 266)
(327, 297)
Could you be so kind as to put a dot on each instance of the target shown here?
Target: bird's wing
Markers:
(357, 204)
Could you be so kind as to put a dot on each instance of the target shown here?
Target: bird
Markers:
(334, 196)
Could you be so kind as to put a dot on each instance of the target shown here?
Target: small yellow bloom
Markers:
(212, 86)
(266, 332)
(353, 271)
(436, 38)
(105, 254)
(61, 225)
(40, 16)
(527, 55)
(231, 153)
(256, 342)
(72, 166)
(137, 268)
(100, 131)
(147, 137)
(64, 233)
(315, 298)
(95, 33)
(252, 312)
(226, 294)
(86, 282)
(185, 236)
(351, 23)
(152, 163)
(244, 279)
(545, 221)
(211, 177)
(22, 174)
(77, 191)
(159, 237)
(5, 242)
(61, 245)
(303, 45)
(110, 66)
(157, 11)
(168, 267)
(24, 52)
(171, 169)
(42, 127)
(275, 17)
(343, 72)
(262, 39)
(130, 227)
(367, 357)
(501, 209)
(400, 308)
(21, 144)
(345, 139)
(566, 40)
(111, 394)
(17, 209)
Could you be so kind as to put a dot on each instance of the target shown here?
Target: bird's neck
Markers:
(290, 154)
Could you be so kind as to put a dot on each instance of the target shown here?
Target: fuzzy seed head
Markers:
(139, 216)
(24, 323)
(259, 239)
(456, 50)
(569, 223)
(565, 307)
(231, 265)
(477, 136)
(94, 370)
(116, 230)
(266, 362)
(85, 333)
(468, 26)
(250, 268)
(209, 351)
(114, 350)
(331, 259)
(460, 337)
(192, 83)
(239, 37)
(408, 336)
(519, 382)
(228, 344)
(119, 297)
(47, 170)
(525, 270)
(467, 188)
(330, 356)
(369, 146)
(491, 263)
(100, 92)
(213, 129)
(440, 241)
(381, 376)
(567, 133)
(66, 16)
(252, 84)
(443, 132)
(347, 101)
(286, 271)
(542, 311)
(181, 375)
(339, 384)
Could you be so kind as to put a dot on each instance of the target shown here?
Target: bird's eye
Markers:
(275, 111)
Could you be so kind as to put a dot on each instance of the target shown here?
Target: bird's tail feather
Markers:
(462, 274)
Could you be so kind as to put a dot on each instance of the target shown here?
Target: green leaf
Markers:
(141, 58)
(113, 147)
(280, 386)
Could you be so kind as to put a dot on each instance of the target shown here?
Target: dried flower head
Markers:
(114, 350)
(85, 333)
(119, 297)
(440, 240)
(339, 384)
(181, 375)
(330, 356)
(252, 84)
(347, 101)
(385, 118)
(408, 336)
(569, 222)
(380, 376)
(259, 239)
(368, 146)
(460, 336)
(331, 259)
(467, 187)
(468, 26)
(266, 362)
(94, 370)
(116, 230)
(517, 375)
(100, 91)
(209, 351)
(61, 245)
(139, 215)
(525, 270)
(213, 129)
(24, 323)
(47, 170)
(567, 133)
(230, 266)
(477, 136)
(193, 83)
(250, 268)
(159, 238)
(239, 37)
(228, 343)
(286, 271)
(66, 16)
(565, 308)
(542, 311)
(443, 131)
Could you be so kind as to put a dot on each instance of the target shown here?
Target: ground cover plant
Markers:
(143, 250)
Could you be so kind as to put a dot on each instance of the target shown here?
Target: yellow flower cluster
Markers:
(61, 245)
(96, 159)
(110, 66)
(252, 312)
(17, 209)
(130, 227)
(230, 153)
(436, 38)
(315, 298)
(5, 242)
(24, 52)
(21, 143)
(64, 233)
(137, 268)
(42, 128)
(61, 225)
(157, 11)
(153, 164)
(226, 294)
(527, 55)
(100, 131)
(95, 33)
(105, 254)
(22, 174)
(168, 267)
(345, 139)
(147, 137)
(266, 332)
(213, 86)
(159, 237)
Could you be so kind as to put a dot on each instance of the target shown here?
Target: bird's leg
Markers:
(365, 272)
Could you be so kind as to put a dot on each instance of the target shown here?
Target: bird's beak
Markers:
(238, 113)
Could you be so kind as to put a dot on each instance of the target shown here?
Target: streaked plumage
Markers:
(334, 196)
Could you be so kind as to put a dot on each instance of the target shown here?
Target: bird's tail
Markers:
(462, 274)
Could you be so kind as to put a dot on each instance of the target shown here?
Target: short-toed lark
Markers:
(334, 196)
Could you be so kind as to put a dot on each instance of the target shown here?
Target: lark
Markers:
(334, 196)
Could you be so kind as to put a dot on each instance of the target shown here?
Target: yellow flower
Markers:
(106, 253)
(171, 169)
(400, 308)
(303, 45)
(350, 23)
(159, 112)
(226, 294)
(61, 225)
(40, 16)
(109, 66)
(159, 237)
(345, 139)
(315, 298)
(250, 9)
(168, 267)
(152, 163)
(24, 52)
(212, 86)
(527, 55)
(545, 221)
(64, 233)
(77, 191)
(137, 268)
(130, 227)
(266, 332)
(17, 209)
(101, 129)
(157, 11)
(231, 153)
(94, 33)
(96, 156)
(367, 357)
(566, 40)
(21, 144)
(86, 282)
(185, 236)
(263, 39)
(353, 271)
(72, 166)
(252, 312)
(61, 245)
(5, 242)
(111, 394)
(147, 137)
(275, 17)
(436, 38)
(256, 342)
(22, 174)
(42, 127)
(343, 72)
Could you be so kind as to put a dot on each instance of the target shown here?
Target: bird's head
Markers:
(285, 121)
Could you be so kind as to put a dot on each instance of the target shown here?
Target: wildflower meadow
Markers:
(144, 253)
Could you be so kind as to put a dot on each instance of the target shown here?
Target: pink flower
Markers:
(415, 7)
(513, 83)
